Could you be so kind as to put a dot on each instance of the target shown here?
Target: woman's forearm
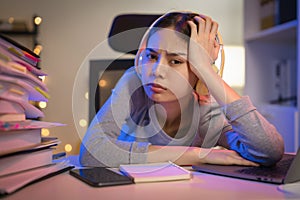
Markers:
(180, 155)
(219, 89)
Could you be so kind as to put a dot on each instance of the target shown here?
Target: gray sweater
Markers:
(126, 125)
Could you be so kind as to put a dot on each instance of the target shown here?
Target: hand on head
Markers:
(205, 35)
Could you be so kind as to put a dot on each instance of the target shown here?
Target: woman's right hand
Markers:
(183, 155)
(203, 46)
(223, 157)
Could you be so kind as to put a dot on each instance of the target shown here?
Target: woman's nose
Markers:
(160, 67)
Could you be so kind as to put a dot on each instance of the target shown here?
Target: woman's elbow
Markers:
(273, 154)
(273, 158)
(87, 159)
(276, 154)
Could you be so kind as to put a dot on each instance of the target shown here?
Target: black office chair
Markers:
(125, 35)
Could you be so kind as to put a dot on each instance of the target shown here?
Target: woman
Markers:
(158, 113)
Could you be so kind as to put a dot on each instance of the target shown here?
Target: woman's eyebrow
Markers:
(168, 53)
(151, 50)
(176, 54)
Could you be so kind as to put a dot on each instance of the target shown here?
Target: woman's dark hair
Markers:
(176, 20)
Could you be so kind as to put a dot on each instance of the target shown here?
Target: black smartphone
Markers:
(100, 177)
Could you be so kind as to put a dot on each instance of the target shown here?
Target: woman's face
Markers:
(166, 75)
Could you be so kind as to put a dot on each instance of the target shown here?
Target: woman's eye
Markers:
(176, 62)
(151, 56)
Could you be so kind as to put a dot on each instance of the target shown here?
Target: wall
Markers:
(70, 31)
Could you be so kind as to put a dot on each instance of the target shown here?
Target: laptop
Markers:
(287, 170)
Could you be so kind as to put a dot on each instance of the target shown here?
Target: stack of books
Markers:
(25, 155)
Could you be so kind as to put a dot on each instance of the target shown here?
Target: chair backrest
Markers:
(127, 31)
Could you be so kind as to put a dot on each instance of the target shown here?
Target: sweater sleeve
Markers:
(252, 136)
(100, 145)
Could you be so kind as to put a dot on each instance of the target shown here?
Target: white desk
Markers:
(202, 186)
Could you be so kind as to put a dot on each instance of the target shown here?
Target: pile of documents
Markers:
(19, 82)
(25, 155)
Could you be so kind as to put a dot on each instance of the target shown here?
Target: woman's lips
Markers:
(156, 87)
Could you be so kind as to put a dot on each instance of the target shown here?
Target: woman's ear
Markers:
(138, 63)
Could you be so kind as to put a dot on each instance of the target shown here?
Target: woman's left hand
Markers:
(223, 157)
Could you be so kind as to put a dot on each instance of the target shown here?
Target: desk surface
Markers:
(201, 186)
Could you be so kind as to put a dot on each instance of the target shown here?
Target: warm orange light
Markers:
(37, 20)
(83, 123)
(45, 132)
(42, 104)
(68, 147)
(11, 20)
(102, 83)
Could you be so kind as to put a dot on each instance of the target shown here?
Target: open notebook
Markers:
(285, 171)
